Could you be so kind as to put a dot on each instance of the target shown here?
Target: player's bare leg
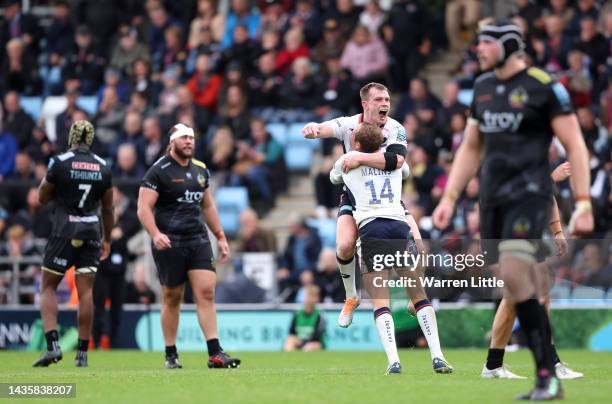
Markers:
(48, 313)
(346, 239)
(379, 293)
(516, 266)
(203, 284)
(84, 285)
(170, 311)
(500, 335)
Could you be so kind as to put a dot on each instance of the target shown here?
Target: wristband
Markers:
(452, 195)
(555, 227)
(582, 198)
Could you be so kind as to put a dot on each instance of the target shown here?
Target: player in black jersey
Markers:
(515, 112)
(78, 182)
(173, 204)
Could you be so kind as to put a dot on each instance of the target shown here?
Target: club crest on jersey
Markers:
(518, 97)
(521, 227)
(201, 180)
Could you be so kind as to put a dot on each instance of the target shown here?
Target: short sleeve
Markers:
(152, 181)
(109, 178)
(335, 175)
(472, 117)
(341, 127)
(207, 175)
(559, 101)
(52, 171)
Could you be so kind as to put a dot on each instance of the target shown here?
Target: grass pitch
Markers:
(319, 377)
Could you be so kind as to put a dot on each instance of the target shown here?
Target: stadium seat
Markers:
(278, 132)
(233, 196)
(298, 157)
(89, 104)
(326, 229)
(32, 105)
(229, 217)
(465, 96)
(51, 108)
(294, 135)
(559, 292)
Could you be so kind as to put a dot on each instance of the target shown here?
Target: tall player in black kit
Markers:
(515, 112)
(173, 201)
(78, 182)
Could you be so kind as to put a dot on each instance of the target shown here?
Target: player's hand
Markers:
(350, 162)
(561, 244)
(104, 250)
(581, 222)
(311, 130)
(562, 172)
(224, 251)
(443, 213)
(161, 241)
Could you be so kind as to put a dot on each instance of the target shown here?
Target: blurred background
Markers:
(247, 75)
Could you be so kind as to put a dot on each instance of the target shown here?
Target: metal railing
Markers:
(16, 289)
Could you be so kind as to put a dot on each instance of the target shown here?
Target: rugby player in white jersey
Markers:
(379, 214)
(376, 104)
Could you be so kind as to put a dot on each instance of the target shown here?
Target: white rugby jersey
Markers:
(393, 131)
(377, 193)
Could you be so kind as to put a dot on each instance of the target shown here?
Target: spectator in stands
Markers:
(450, 104)
(405, 36)
(424, 175)
(132, 132)
(418, 93)
(307, 17)
(273, 17)
(561, 9)
(264, 86)
(17, 25)
(335, 89)
(365, 57)
(235, 113)
(109, 118)
(206, 45)
(327, 279)
(19, 70)
(587, 264)
(8, 150)
(127, 50)
(532, 13)
(253, 237)
(39, 146)
(16, 120)
(605, 104)
(234, 75)
(332, 42)
(220, 153)
(24, 168)
(240, 14)
(172, 52)
(204, 84)
(103, 16)
(19, 244)
(35, 218)
(298, 95)
(347, 15)
(110, 278)
(141, 80)
(328, 194)
(153, 146)
(586, 8)
(294, 48)
(128, 166)
(112, 78)
(461, 15)
(64, 120)
(243, 51)
(259, 162)
(306, 281)
(595, 136)
(577, 80)
(60, 41)
(200, 116)
(307, 330)
(206, 20)
(160, 21)
(594, 45)
(139, 102)
(168, 98)
(372, 17)
(456, 128)
(271, 42)
(301, 253)
(84, 65)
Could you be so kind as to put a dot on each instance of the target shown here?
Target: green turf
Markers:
(321, 377)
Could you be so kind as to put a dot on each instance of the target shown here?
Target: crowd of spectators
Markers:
(150, 64)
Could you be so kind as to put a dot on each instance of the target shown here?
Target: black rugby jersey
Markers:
(81, 179)
(514, 120)
(178, 211)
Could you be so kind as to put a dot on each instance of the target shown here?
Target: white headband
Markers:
(181, 130)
